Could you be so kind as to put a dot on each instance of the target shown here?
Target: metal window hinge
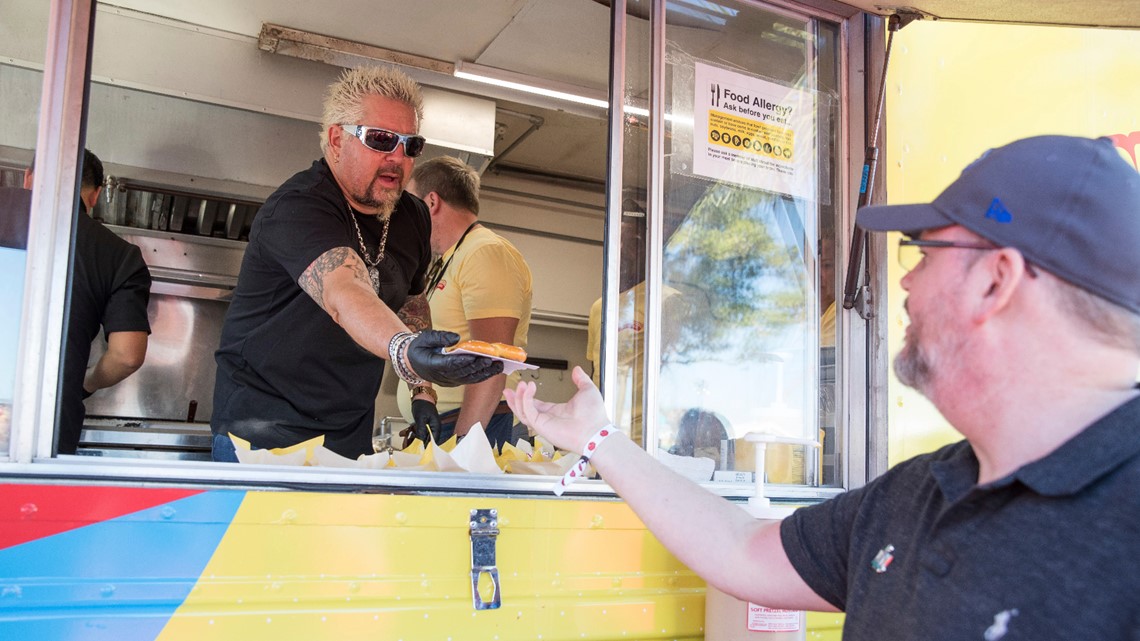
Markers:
(484, 526)
(903, 16)
(865, 302)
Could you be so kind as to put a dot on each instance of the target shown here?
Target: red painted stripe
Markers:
(30, 512)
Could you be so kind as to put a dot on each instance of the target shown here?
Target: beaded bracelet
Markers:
(392, 341)
(414, 378)
(393, 346)
(398, 356)
(579, 469)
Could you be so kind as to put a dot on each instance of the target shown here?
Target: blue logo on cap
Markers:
(997, 212)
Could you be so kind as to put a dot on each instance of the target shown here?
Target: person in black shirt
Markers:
(1025, 333)
(110, 289)
(331, 283)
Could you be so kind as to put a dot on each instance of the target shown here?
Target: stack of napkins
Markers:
(541, 459)
(473, 454)
(299, 454)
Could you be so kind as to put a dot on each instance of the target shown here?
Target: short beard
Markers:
(384, 206)
(913, 367)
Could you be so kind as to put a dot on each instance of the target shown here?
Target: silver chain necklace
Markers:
(371, 263)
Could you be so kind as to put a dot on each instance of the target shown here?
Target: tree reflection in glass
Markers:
(741, 271)
(738, 339)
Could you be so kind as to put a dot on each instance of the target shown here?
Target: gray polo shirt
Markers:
(1051, 551)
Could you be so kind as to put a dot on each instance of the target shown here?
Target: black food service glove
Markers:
(425, 354)
(424, 416)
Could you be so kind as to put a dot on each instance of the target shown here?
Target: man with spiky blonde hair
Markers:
(332, 283)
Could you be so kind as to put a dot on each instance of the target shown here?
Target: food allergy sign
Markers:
(755, 132)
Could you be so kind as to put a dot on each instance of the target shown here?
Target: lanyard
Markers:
(436, 276)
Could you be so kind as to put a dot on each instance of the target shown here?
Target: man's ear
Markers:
(1004, 269)
(90, 197)
(433, 202)
(336, 139)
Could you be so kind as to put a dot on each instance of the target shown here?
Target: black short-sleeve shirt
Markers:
(110, 289)
(286, 371)
(1050, 552)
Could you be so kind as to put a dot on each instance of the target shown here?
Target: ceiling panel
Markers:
(442, 29)
(564, 41)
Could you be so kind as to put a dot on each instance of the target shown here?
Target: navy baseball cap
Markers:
(1069, 205)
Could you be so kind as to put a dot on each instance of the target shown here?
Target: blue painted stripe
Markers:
(120, 579)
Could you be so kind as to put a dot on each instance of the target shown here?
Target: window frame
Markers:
(59, 142)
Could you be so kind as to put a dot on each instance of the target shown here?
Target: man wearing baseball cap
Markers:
(1024, 301)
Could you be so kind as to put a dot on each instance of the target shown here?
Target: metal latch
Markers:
(484, 528)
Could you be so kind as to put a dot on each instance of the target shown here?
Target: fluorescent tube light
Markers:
(530, 84)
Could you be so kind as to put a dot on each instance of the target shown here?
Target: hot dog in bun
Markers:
(498, 350)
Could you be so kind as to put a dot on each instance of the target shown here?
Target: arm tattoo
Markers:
(312, 280)
(416, 313)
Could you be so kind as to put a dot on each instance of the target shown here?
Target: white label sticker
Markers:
(732, 476)
(762, 619)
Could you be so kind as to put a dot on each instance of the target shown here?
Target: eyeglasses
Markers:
(385, 141)
(911, 254)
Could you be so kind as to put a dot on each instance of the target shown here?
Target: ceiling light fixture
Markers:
(530, 84)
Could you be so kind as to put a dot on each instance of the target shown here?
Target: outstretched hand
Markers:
(566, 425)
(425, 354)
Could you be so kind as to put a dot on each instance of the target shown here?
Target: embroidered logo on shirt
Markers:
(1000, 625)
(883, 559)
(441, 285)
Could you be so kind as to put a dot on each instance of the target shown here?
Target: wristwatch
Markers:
(425, 389)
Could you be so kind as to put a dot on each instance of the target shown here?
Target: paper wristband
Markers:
(579, 469)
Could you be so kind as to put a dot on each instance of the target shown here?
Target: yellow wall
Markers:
(955, 90)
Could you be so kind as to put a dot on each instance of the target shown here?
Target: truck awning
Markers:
(1124, 14)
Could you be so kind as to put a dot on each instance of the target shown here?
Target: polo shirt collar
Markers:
(1077, 463)
(1094, 452)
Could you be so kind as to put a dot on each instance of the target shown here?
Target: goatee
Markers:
(384, 205)
(912, 366)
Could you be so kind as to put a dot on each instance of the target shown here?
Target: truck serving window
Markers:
(706, 295)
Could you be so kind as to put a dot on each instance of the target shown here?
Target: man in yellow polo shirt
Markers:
(479, 289)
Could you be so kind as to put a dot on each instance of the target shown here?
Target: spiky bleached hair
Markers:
(344, 97)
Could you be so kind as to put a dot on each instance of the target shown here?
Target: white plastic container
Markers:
(730, 619)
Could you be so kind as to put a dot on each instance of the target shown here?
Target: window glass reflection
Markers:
(748, 317)
(741, 325)
(15, 202)
(21, 80)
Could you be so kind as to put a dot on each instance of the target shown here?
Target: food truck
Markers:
(689, 169)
